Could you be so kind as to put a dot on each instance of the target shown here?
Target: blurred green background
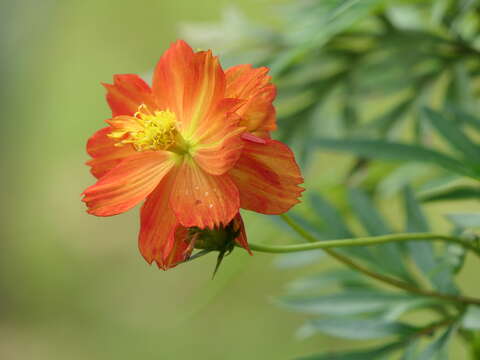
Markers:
(73, 286)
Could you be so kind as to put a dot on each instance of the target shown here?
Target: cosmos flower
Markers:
(195, 146)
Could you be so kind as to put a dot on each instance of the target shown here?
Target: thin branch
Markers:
(315, 244)
(400, 284)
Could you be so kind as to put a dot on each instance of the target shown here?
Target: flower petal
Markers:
(105, 155)
(177, 250)
(219, 140)
(267, 177)
(161, 238)
(242, 236)
(203, 200)
(253, 85)
(131, 181)
(127, 93)
(189, 84)
(121, 122)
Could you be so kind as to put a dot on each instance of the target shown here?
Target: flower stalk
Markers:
(360, 241)
(375, 240)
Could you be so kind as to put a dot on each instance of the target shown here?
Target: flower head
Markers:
(195, 147)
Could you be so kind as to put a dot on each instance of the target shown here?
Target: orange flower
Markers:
(195, 146)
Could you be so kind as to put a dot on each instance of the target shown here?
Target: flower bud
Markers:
(221, 239)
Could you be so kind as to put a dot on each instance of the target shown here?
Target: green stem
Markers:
(315, 244)
(360, 241)
(430, 329)
(364, 241)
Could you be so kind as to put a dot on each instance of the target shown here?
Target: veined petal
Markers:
(253, 85)
(267, 177)
(242, 236)
(201, 199)
(105, 155)
(189, 84)
(124, 122)
(219, 142)
(178, 251)
(127, 93)
(160, 237)
(131, 181)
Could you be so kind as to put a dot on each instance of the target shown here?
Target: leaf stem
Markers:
(326, 245)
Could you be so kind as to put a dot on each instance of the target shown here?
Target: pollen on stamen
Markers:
(149, 130)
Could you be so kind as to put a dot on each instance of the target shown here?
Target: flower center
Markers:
(148, 130)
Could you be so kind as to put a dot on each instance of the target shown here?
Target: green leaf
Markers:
(439, 183)
(298, 259)
(362, 329)
(400, 177)
(471, 319)
(369, 354)
(388, 255)
(465, 220)
(342, 277)
(465, 117)
(366, 212)
(381, 149)
(330, 216)
(386, 121)
(454, 256)
(306, 224)
(421, 252)
(306, 150)
(439, 273)
(410, 350)
(344, 303)
(396, 311)
(337, 228)
(416, 220)
(458, 192)
(283, 227)
(452, 132)
(459, 92)
(436, 347)
(332, 17)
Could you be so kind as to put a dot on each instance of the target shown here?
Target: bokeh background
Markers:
(73, 286)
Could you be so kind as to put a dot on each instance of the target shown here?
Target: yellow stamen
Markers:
(149, 130)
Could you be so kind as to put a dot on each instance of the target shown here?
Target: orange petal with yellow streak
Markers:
(105, 155)
(219, 141)
(157, 240)
(127, 93)
(124, 122)
(267, 177)
(128, 183)
(254, 86)
(189, 84)
(201, 199)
